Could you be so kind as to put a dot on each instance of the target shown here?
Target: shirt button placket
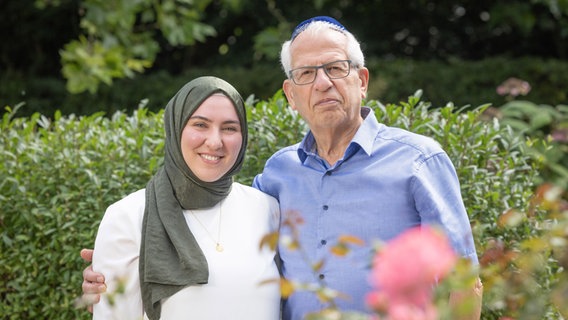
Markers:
(323, 242)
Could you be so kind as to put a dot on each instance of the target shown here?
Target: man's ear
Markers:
(287, 88)
(364, 78)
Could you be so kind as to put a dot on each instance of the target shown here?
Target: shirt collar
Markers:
(364, 137)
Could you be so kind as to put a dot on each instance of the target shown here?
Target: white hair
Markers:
(354, 52)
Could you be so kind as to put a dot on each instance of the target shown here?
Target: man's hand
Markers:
(471, 299)
(93, 282)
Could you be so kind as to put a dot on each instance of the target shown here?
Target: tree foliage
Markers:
(120, 38)
(104, 40)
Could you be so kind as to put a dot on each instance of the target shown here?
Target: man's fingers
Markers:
(87, 255)
(93, 282)
(91, 276)
(93, 288)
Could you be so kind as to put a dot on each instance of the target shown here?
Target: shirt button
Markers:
(325, 207)
(323, 242)
(328, 173)
(321, 276)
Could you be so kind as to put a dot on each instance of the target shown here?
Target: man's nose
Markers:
(322, 79)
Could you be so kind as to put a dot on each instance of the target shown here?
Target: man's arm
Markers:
(93, 282)
(439, 201)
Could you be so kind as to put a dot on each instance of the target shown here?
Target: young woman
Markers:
(187, 246)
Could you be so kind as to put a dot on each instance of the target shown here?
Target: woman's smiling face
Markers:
(212, 138)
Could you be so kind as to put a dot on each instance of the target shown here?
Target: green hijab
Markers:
(170, 258)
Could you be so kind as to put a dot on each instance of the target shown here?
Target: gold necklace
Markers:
(217, 242)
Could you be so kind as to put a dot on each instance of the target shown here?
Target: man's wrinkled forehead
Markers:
(304, 25)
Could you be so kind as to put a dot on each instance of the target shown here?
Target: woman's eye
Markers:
(231, 129)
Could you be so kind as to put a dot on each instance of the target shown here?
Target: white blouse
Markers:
(235, 289)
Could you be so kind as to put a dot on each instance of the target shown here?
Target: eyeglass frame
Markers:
(322, 66)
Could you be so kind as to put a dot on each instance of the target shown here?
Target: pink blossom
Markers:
(405, 311)
(514, 87)
(406, 270)
(560, 135)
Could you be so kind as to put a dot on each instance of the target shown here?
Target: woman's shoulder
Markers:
(131, 204)
(256, 203)
(122, 223)
(247, 190)
(138, 196)
(243, 191)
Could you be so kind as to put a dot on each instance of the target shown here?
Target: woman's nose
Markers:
(214, 140)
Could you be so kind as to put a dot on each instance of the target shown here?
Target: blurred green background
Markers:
(112, 54)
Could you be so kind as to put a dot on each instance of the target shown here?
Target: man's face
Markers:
(326, 103)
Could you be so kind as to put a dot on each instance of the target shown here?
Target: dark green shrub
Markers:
(272, 125)
(58, 176)
(467, 82)
(459, 81)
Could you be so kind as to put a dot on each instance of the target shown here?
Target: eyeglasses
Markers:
(334, 70)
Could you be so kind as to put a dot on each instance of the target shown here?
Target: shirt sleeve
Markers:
(256, 182)
(439, 202)
(116, 254)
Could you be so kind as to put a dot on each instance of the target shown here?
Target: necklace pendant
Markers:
(219, 247)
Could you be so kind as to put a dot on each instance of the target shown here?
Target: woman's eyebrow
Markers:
(209, 120)
(200, 117)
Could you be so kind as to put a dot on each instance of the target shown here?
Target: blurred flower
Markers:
(405, 272)
(560, 135)
(513, 87)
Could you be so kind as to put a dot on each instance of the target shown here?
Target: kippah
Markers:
(304, 24)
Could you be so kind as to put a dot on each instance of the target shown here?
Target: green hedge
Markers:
(58, 175)
(462, 82)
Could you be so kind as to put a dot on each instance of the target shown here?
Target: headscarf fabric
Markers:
(170, 258)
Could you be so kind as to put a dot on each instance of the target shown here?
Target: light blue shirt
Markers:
(387, 181)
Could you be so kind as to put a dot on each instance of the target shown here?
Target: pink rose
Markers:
(406, 270)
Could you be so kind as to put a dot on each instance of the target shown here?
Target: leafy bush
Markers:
(459, 81)
(58, 175)
(467, 82)
(546, 127)
(272, 125)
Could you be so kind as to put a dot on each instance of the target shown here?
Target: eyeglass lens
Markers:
(334, 70)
